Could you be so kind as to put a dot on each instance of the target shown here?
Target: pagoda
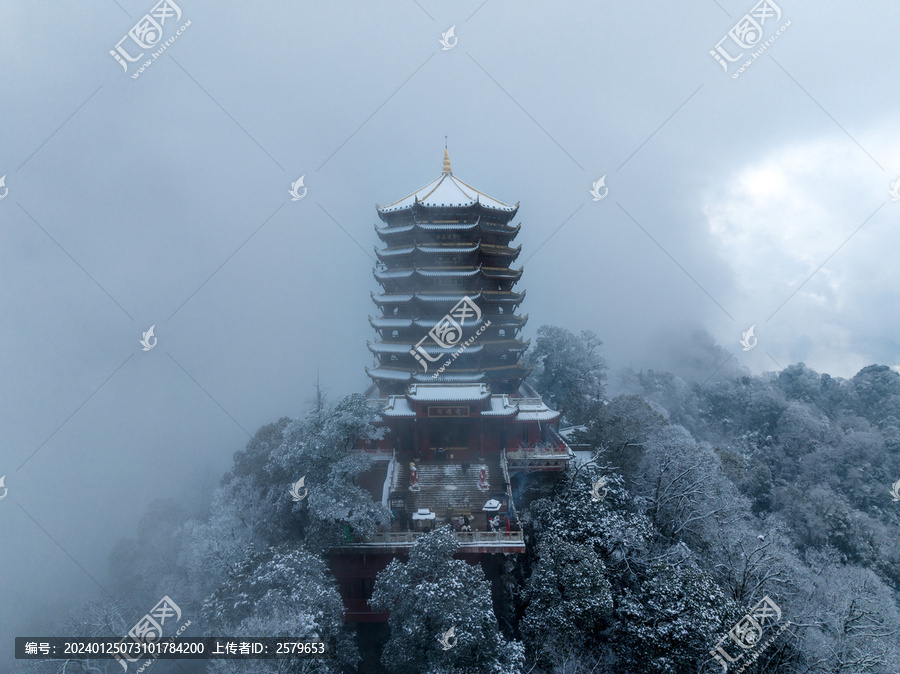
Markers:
(464, 432)
(447, 283)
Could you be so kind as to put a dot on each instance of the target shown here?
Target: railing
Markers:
(463, 537)
(537, 451)
(389, 482)
(504, 466)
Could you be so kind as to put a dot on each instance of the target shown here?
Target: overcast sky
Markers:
(163, 200)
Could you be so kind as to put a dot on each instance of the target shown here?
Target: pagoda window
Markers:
(501, 333)
(499, 310)
(393, 359)
(395, 310)
(395, 334)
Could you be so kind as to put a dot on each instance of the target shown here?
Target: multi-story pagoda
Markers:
(464, 431)
(447, 245)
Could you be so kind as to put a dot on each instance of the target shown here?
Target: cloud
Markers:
(808, 232)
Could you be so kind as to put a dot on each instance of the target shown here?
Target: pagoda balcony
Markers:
(468, 541)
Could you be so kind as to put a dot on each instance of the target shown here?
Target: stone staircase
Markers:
(443, 485)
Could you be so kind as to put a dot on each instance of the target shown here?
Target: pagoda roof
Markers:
(460, 377)
(493, 296)
(447, 191)
(389, 373)
(492, 227)
(431, 322)
(432, 349)
(436, 249)
(399, 298)
(487, 272)
(444, 393)
(391, 322)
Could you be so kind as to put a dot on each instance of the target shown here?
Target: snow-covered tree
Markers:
(569, 600)
(569, 370)
(428, 596)
(317, 448)
(282, 591)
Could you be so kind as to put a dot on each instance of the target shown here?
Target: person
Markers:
(466, 522)
(465, 467)
(495, 523)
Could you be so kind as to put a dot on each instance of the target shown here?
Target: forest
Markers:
(693, 512)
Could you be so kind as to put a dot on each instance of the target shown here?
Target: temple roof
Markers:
(443, 393)
(398, 406)
(534, 409)
(447, 190)
(500, 407)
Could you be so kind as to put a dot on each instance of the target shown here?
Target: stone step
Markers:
(444, 484)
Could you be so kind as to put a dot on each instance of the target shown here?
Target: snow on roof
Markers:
(396, 229)
(448, 272)
(388, 298)
(500, 407)
(393, 347)
(387, 252)
(392, 322)
(431, 322)
(398, 406)
(388, 373)
(448, 393)
(460, 377)
(533, 409)
(448, 225)
(394, 274)
(449, 249)
(544, 415)
(447, 190)
(425, 297)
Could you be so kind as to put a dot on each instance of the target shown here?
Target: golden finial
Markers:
(447, 161)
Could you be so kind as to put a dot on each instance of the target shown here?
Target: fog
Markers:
(164, 200)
